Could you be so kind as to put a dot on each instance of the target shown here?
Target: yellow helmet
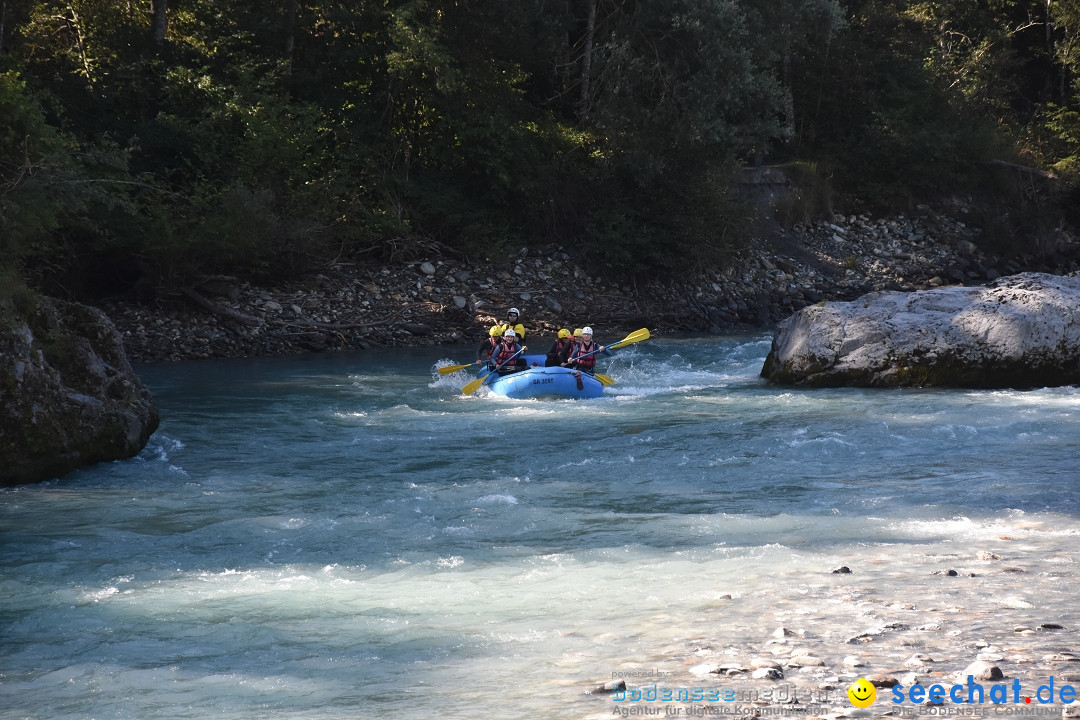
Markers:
(564, 333)
(495, 331)
(577, 332)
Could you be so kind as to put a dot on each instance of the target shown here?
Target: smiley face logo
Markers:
(861, 693)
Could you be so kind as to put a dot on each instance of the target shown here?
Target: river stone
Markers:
(610, 687)
(982, 670)
(729, 669)
(805, 661)
(68, 395)
(416, 329)
(1019, 331)
(918, 660)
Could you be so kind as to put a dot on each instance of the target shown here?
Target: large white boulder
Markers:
(1019, 331)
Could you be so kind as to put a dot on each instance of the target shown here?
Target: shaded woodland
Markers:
(147, 143)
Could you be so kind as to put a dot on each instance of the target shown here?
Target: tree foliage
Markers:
(145, 144)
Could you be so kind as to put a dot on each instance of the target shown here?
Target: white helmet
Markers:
(510, 333)
(586, 331)
(513, 311)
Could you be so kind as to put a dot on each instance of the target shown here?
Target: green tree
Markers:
(34, 158)
(684, 91)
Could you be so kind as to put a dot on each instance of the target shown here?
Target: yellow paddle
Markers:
(475, 384)
(454, 368)
(636, 336)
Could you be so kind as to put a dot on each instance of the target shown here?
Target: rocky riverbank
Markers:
(980, 619)
(453, 300)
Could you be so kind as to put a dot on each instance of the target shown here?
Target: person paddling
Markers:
(503, 358)
(575, 340)
(583, 356)
(560, 349)
(488, 344)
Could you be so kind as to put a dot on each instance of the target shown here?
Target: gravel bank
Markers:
(441, 301)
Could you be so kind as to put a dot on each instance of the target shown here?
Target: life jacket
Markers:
(557, 354)
(502, 354)
(585, 363)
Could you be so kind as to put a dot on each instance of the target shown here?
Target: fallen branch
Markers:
(322, 325)
(1026, 168)
(213, 307)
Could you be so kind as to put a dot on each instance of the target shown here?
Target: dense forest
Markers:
(146, 143)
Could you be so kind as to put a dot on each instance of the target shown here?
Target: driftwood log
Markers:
(213, 307)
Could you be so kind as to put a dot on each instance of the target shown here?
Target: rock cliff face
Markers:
(1019, 331)
(68, 396)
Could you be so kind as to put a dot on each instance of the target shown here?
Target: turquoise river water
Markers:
(346, 535)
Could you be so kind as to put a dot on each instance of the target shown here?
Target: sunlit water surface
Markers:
(338, 536)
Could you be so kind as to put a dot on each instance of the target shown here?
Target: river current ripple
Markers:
(343, 535)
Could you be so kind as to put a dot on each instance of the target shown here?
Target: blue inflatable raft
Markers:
(539, 381)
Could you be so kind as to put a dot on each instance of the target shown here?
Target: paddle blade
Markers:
(449, 369)
(473, 386)
(636, 336)
(605, 380)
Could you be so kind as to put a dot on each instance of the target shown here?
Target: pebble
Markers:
(918, 660)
